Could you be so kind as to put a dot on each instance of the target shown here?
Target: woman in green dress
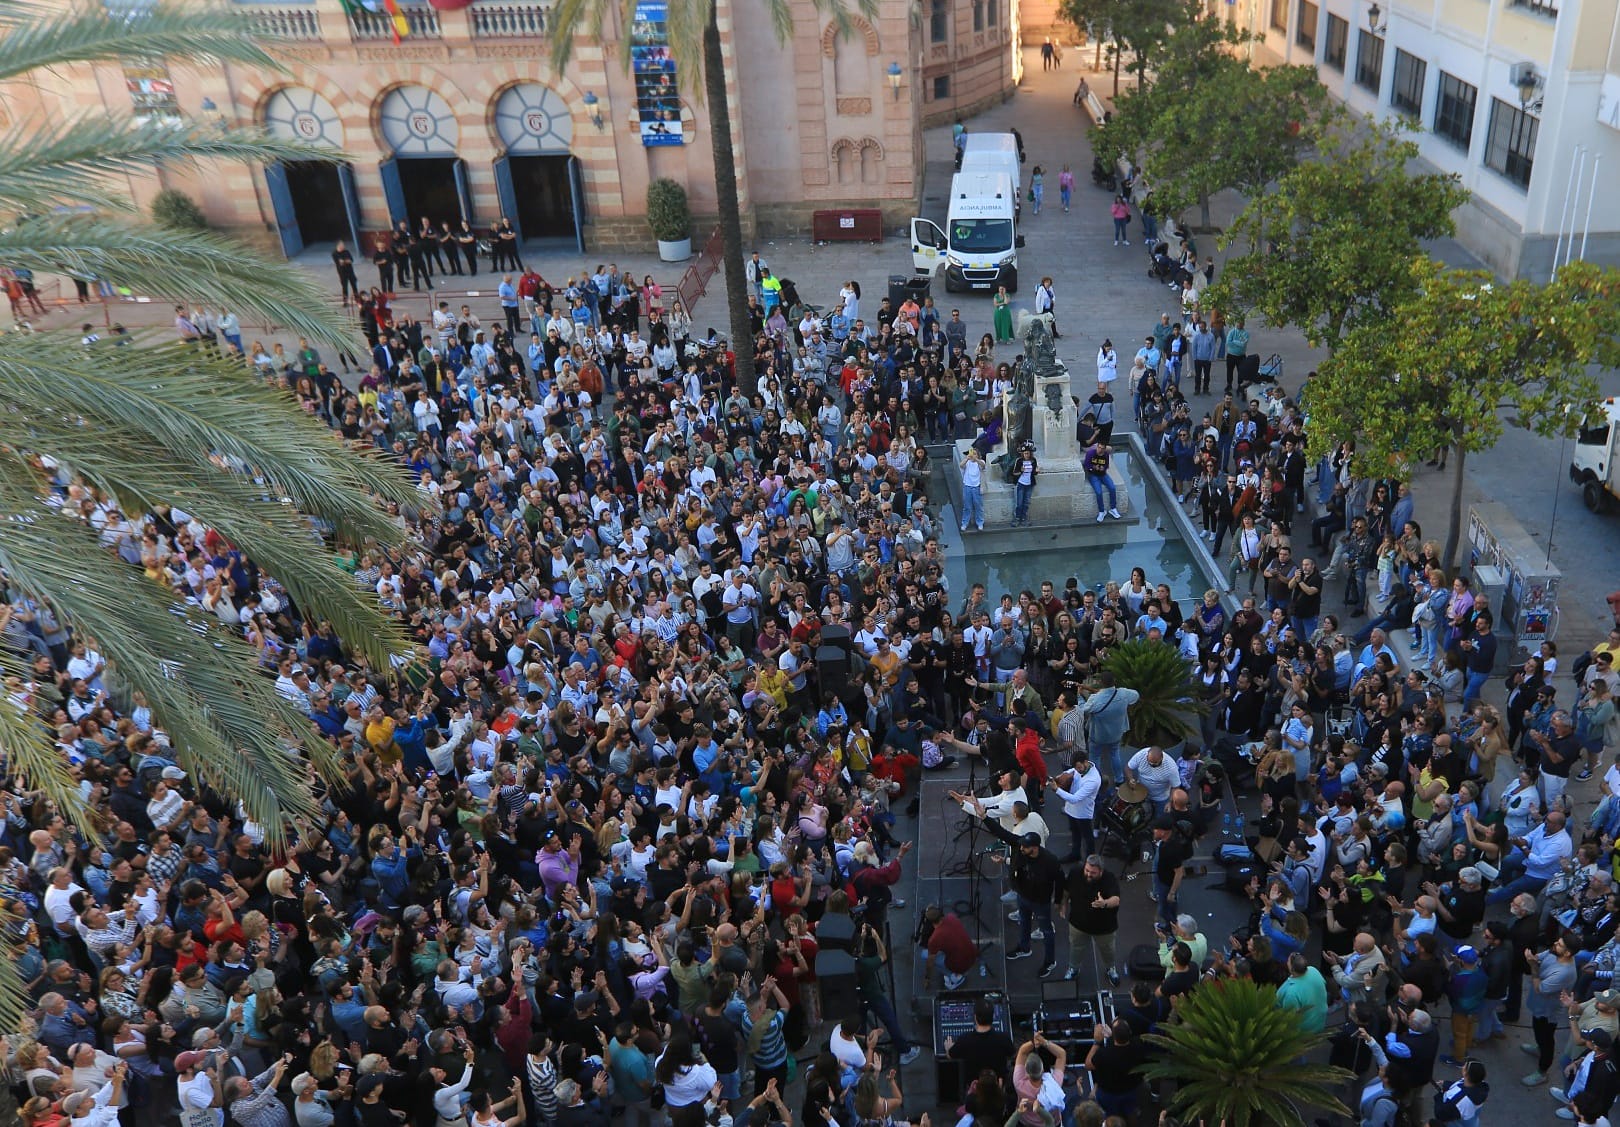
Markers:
(1003, 315)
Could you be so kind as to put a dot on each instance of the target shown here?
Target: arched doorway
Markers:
(424, 178)
(314, 201)
(537, 178)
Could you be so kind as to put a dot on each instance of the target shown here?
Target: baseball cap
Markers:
(1031, 838)
(1599, 1039)
(1610, 997)
(74, 1101)
(189, 1060)
(1466, 954)
(586, 1000)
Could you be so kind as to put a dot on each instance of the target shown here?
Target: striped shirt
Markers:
(772, 1049)
(542, 1076)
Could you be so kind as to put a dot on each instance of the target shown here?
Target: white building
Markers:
(1520, 98)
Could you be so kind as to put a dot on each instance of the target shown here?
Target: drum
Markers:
(1128, 808)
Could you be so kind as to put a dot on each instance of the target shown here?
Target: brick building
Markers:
(464, 117)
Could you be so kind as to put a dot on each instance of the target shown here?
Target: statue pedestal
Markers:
(1061, 498)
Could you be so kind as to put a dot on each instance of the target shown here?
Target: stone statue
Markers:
(1016, 412)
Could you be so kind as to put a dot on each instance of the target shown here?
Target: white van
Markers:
(995, 153)
(980, 241)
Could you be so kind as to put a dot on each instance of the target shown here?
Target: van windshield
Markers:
(980, 235)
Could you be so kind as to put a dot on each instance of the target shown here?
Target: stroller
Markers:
(790, 293)
(1103, 176)
(1161, 267)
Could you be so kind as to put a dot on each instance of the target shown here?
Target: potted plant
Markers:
(670, 218)
(1167, 707)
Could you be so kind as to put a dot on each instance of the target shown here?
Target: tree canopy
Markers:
(1210, 121)
(1331, 248)
(1444, 369)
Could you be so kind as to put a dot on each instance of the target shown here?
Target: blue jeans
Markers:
(881, 1008)
(1121, 230)
(1038, 191)
(1166, 907)
(1504, 894)
(972, 506)
(1100, 482)
(1150, 227)
(1031, 913)
(1067, 194)
(1476, 682)
(1106, 756)
(1304, 625)
(1021, 495)
(1486, 1021)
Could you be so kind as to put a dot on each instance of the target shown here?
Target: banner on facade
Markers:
(658, 104)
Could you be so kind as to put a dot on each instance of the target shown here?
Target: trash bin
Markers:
(918, 289)
(897, 290)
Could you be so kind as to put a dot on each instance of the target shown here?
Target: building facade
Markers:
(1520, 98)
(463, 117)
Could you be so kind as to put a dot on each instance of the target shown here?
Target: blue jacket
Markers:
(393, 875)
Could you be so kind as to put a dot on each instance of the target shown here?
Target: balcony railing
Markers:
(422, 21)
(287, 23)
(510, 21)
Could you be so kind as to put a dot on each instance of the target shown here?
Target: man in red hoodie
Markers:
(1027, 750)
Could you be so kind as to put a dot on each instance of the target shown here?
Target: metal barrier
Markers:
(695, 281)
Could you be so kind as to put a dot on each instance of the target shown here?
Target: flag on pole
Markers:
(389, 8)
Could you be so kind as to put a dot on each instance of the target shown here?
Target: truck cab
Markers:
(978, 246)
(1595, 466)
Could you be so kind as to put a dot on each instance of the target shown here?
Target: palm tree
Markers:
(1167, 708)
(694, 42)
(155, 422)
(1235, 1057)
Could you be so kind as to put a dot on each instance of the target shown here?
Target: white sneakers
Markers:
(1115, 514)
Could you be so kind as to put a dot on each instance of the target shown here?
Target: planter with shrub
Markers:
(670, 217)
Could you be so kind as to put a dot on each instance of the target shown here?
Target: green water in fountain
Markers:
(1011, 560)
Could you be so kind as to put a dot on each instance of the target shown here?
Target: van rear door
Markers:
(927, 247)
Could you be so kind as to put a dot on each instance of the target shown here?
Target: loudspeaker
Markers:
(833, 667)
(840, 991)
(837, 634)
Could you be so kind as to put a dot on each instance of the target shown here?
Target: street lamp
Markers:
(895, 74)
(1529, 83)
(1373, 23)
(595, 114)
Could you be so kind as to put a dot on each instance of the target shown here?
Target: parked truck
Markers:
(979, 243)
(1596, 464)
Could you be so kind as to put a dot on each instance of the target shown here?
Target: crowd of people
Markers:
(684, 648)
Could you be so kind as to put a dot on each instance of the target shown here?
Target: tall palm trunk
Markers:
(725, 185)
(1459, 465)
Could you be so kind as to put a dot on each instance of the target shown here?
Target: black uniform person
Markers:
(344, 261)
(382, 257)
(419, 267)
(448, 249)
(429, 239)
(467, 240)
(507, 237)
(402, 252)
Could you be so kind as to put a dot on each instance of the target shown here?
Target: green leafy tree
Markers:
(1331, 248)
(1438, 373)
(160, 423)
(1167, 708)
(1140, 29)
(1234, 1055)
(694, 43)
(1209, 121)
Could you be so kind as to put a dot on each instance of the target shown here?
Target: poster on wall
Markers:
(151, 92)
(658, 105)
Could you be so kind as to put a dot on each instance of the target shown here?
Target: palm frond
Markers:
(196, 407)
(227, 725)
(274, 535)
(29, 747)
(177, 265)
(49, 164)
(40, 35)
